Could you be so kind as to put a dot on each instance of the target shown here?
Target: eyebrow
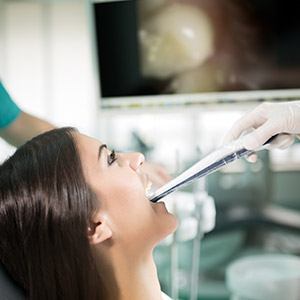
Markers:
(100, 150)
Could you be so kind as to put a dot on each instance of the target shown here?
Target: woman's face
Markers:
(120, 187)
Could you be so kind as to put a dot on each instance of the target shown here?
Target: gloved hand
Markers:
(267, 120)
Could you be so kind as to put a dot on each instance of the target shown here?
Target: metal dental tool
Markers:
(209, 164)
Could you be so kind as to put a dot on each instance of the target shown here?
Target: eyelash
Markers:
(112, 157)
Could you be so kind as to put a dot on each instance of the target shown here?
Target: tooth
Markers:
(148, 189)
(175, 39)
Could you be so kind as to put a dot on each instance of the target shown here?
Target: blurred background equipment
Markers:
(267, 277)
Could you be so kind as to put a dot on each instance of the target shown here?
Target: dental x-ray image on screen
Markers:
(157, 47)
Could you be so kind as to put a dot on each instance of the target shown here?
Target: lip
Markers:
(160, 206)
(147, 183)
(143, 177)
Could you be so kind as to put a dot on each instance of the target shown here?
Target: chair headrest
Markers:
(9, 289)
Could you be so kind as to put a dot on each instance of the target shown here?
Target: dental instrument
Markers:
(209, 164)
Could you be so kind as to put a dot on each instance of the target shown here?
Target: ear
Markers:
(99, 231)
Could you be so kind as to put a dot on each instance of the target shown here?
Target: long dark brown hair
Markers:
(45, 208)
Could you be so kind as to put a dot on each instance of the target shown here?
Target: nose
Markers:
(135, 159)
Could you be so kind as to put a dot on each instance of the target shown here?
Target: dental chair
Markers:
(9, 290)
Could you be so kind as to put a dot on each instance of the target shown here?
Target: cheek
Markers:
(125, 192)
(130, 212)
(119, 186)
(125, 201)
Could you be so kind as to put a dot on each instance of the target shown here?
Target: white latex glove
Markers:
(267, 120)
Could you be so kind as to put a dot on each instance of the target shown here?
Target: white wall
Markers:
(45, 61)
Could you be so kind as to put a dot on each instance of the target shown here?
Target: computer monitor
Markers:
(164, 52)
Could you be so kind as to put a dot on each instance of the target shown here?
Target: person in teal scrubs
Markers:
(9, 110)
(17, 127)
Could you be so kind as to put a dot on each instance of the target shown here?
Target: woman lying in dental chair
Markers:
(75, 222)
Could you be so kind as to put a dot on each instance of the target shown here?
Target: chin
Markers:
(164, 223)
(173, 223)
(169, 225)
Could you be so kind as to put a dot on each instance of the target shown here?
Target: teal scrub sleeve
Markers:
(9, 111)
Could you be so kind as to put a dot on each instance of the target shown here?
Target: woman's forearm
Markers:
(24, 128)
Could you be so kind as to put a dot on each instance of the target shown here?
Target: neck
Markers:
(127, 276)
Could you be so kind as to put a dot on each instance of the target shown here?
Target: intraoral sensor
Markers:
(209, 164)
